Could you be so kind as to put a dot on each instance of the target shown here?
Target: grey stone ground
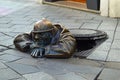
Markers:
(18, 16)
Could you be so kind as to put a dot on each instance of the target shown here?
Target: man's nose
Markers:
(36, 37)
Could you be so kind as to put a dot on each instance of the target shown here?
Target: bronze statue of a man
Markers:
(47, 40)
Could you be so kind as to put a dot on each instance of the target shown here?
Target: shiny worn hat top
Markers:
(43, 25)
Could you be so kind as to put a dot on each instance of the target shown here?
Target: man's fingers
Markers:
(33, 52)
(40, 52)
(37, 53)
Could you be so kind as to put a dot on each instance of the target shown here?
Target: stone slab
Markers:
(109, 74)
(6, 74)
(71, 76)
(7, 42)
(116, 44)
(114, 55)
(112, 64)
(117, 35)
(22, 69)
(2, 65)
(28, 61)
(39, 76)
(19, 79)
(2, 49)
(98, 55)
(8, 58)
(105, 46)
(90, 25)
(61, 67)
(15, 52)
(107, 27)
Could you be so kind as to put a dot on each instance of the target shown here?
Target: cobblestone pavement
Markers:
(19, 16)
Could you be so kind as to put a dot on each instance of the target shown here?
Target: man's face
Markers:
(43, 38)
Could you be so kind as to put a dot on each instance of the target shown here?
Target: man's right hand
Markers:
(38, 52)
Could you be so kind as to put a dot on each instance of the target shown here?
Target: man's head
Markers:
(43, 32)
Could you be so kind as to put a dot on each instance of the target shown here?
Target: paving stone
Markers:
(114, 55)
(98, 55)
(104, 18)
(105, 46)
(21, 68)
(7, 42)
(111, 21)
(21, 22)
(12, 16)
(12, 46)
(28, 61)
(6, 30)
(23, 29)
(110, 36)
(4, 22)
(2, 49)
(10, 6)
(39, 76)
(107, 27)
(118, 28)
(5, 25)
(2, 65)
(72, 25)
(109, 74)
(70, 76)
(19, 79)
(52, 68)
(1, 53)
(17, 53)
(12, 34)
(89, 21)
(55, 68)
(117, 36)
(7, 57)
(4, 37)
(6, 74)
(116, 44)
(78, 61)
(90, 25)
(112, 65)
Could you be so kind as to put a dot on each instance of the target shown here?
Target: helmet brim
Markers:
(41, 31)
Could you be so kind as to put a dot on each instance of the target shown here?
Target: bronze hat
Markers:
(43, 26)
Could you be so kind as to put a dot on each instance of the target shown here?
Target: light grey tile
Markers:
(28, 61)
(17, 53)
(19, 79)
(55, 68)
(107, 27)
(115, 44)
(22, 69)
(109, 74)
(2, 65)
(114, 55)
(71, 76)
(7, 57)
(7, 42)
(21, 22)
(39, 76)
(6, 74)
(112, 65)
(117, 35)
(105, 46)
(98, 55)
(90, 25)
